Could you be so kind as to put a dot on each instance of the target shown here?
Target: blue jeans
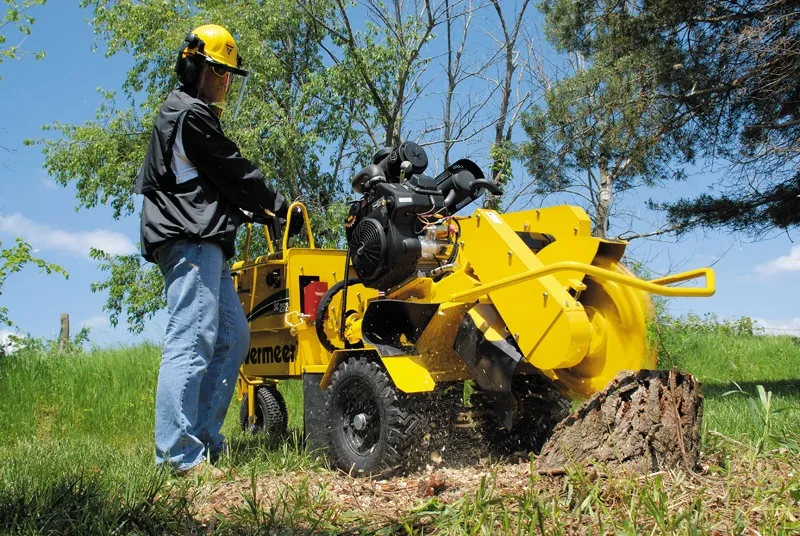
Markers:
(206, 341)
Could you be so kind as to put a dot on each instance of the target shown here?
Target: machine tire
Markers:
(271, 415)
(540, 406)
(361, 394)
(322, 310)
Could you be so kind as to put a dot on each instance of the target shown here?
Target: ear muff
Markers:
(186, 67)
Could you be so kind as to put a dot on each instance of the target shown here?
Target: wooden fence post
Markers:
(63, 338)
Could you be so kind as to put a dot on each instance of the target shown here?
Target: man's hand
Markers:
(297, 222)
(256, 217)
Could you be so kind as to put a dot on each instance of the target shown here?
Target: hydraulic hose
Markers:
(454, 253)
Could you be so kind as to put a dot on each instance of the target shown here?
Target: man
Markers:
(196, 186)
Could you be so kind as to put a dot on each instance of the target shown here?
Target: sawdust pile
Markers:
(735, 495)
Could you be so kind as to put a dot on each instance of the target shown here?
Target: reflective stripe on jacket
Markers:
(208, 206)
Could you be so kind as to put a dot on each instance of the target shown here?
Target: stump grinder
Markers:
(528, 306)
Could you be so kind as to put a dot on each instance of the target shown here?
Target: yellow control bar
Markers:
(307, 220)
(654, 286)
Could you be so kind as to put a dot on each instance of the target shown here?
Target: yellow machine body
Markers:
(539, 277)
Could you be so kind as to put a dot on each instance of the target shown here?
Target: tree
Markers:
(457, 119)
(604, 128)
(384, 62)
(17, 16)
(13, 260)
(502, 149)
(394, 60)
(671, 81)
(748, 76)
(290, 114)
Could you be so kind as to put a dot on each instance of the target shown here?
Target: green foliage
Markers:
(33, 346)
(132, 287)
(501, 155)
(670, 80)
(102, 156)
(604, 128)
(294, 110)
(709, 323)
(17, 16)
(747, 62)
(12, 260)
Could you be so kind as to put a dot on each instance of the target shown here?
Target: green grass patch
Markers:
(731, 365)
(76, 444)
(76, 456)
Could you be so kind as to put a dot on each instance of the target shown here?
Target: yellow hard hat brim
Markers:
(208, 60)
(214, 63)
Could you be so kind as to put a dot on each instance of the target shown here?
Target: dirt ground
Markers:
(729, 489)
(379, 498)
(741, 490)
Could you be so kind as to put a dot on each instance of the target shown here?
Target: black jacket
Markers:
(206, 207)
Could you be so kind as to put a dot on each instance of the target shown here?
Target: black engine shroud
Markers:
(384, 228)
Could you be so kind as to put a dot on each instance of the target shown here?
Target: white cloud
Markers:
(46, 183)
(6, 345)
(96, 322)
(78, 243)
(780, 326)
(787, 263)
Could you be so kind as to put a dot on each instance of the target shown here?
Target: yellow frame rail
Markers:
(654, 286)
(285, 242)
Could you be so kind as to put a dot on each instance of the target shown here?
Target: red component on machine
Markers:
(312, 295)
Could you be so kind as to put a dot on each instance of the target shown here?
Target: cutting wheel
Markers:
(618, 315)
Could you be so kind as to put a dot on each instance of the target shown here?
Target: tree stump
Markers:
(644, 421)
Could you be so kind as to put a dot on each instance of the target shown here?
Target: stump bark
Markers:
(644, 421)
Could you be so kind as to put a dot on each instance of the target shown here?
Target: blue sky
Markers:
(755, 278)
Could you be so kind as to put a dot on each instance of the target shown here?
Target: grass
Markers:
(76, 456)
(76, 453)
(731, 365)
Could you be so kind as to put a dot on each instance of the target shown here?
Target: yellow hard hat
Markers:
(215, 45)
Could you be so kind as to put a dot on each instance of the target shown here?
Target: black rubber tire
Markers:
(392, 430)
(540, 406)
(322, 310)
(271, 415)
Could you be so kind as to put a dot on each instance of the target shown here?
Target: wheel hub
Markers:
(360, 421)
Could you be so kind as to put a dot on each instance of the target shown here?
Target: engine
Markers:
(402, 226)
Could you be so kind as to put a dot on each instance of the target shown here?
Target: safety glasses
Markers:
(220, 70)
